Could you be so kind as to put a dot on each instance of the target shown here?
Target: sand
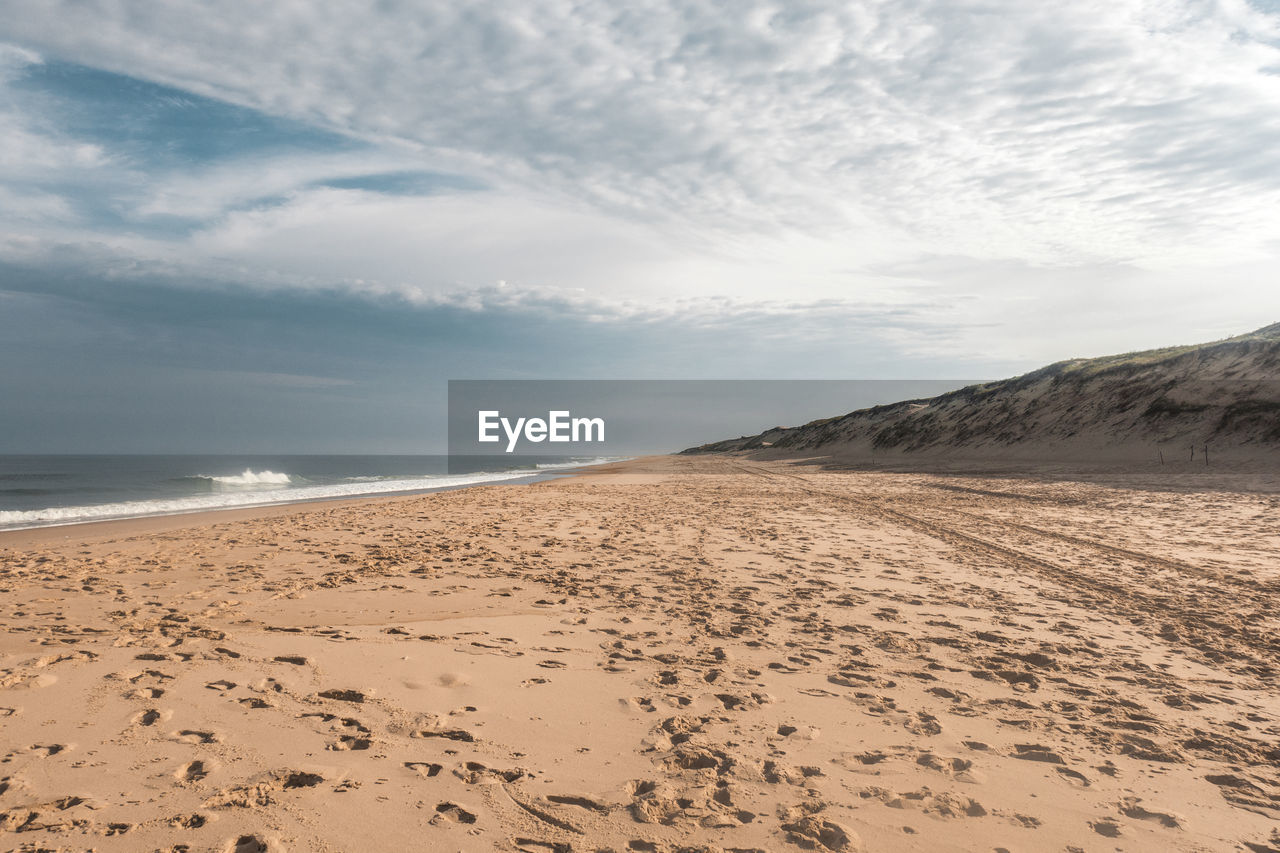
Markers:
(676, 654)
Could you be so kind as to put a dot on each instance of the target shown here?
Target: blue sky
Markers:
(275, 229)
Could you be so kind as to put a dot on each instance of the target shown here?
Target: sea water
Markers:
(40, 491)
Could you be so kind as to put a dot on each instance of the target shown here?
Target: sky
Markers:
(239, 227)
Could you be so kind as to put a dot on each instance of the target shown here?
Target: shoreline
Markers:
(181, 519)
(1231, 476)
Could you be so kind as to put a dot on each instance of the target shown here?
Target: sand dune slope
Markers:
(1166, 403)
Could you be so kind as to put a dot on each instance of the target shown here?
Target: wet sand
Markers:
(672, 654)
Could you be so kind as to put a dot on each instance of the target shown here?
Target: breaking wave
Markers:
(266, 488)
(251, 478)
(13, 519)
(599, 460)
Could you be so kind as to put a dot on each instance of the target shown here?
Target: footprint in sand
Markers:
(150, 675)
(354, 738)
(196, 736)
(452, 813)
(1036, 752)
(960, 769)
(29, 818)
(814, 832)
(1075, 777)
(262, 793)
(267, 685)
(799, 732)
(494, 648)
(475, 773)
(447, 734)
(858, 761)
(941, 804)
(151, 716)
(188, 821)
(300, 779)
(425, 769)
(1106, 828)
(193, 771)
(323, 716)
(247, 844)
(346, 743)
(343, 695)
(10, 680)
(1131, 807)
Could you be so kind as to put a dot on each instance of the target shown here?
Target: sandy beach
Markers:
(707, 653)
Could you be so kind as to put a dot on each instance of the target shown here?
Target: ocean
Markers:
(42, 491)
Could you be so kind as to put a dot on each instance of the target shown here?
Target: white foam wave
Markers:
(253, 478)
(17, 519)
(581, 463)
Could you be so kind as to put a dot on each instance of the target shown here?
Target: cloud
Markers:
(104, 275)
(112, 352)
(14, 60)
(1136, 130)
(832, 185)
(128, 156)
(31, 149)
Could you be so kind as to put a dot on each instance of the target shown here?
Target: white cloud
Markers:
(30, 150)
(33, 206)
(1140, 130)
(14, 59)
(934, 317)
(206, 193)
(1091, 172)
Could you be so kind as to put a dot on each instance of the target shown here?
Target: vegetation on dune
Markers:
(1160, 395)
